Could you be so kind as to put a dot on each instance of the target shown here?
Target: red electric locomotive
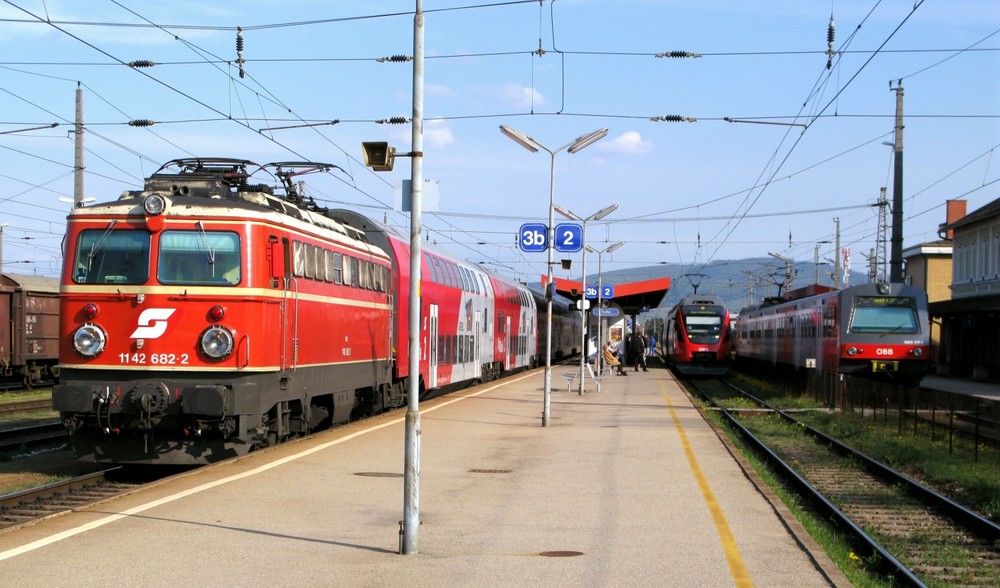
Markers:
(696, 338)
(203, 316)
(206, 315)
(863, 330)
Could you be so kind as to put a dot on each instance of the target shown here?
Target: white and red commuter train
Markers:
(870, 329)
(204, 316)
(696, 336)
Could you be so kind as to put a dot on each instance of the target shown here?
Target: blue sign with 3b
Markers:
(533, 237)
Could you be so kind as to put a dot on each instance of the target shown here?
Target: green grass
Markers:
(834, 543)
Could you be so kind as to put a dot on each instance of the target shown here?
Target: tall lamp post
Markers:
(583, 283)
(534, 146)
(600, 287)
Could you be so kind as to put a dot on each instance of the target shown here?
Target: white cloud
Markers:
(519, 96)
(438, 134)
(628, 142)
(439, 90)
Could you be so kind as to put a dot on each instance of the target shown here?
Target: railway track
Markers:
(25, 406)
(29, 506)
(901, 528)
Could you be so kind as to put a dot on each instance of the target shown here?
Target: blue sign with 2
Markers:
(569, 238)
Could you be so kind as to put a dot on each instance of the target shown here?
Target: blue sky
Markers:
(688, 192)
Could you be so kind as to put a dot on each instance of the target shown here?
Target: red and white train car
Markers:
(696, 338)
(863, 330)
(205, 315)
(476, 325)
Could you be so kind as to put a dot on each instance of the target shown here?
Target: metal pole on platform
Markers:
(583, 282)
(571, 147)
(411, 481)
(600, 286)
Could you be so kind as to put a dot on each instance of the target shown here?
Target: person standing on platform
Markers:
(637, 346)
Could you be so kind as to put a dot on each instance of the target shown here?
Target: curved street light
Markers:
(600, 286)
(583, 283)
(534, 146)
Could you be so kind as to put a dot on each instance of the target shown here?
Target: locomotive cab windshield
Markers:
(884, 315)
(112, 257)
(703, 323)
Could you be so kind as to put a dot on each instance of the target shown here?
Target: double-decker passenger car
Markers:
(865, 330)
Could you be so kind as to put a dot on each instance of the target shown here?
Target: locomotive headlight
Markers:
(217, 342)
(154, 204)
(852, 350)
(89, 340)
(918, 352)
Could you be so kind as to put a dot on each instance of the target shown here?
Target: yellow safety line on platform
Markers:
(737, 568)
(208, 486)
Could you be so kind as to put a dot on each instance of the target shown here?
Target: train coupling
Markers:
(885, 367)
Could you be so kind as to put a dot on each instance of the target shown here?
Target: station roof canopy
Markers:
(633, 297)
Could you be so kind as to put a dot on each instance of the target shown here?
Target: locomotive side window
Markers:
(298, 259)
(874, 314)
(198, 257)
(107, 256)
(354, 271)
(338, 273)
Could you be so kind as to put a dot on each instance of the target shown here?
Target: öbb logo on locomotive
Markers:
(152, 323)
(198, 315)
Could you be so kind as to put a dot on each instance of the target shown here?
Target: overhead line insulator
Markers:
(396, 120)
(678, 54)
(829, 44)
(673, 118)
(141, 63)
(141, 122)
(394, 59)
(239, 50)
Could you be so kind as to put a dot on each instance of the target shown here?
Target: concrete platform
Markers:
(625, 487)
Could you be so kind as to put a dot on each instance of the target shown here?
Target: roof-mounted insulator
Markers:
(141, 63)
(395, 59)
(673, 118)
(678, 54)
(239, 50)
(141, 122)
(396, 120)
(829, 44)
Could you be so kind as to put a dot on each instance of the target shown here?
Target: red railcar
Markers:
(696, 338)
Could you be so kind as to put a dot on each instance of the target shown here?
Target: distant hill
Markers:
(729, 279)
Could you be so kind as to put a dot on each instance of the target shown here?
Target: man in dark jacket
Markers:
(637, 347)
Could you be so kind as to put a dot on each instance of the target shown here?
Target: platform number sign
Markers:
(569, 238)
(607, 291)
(533, 237)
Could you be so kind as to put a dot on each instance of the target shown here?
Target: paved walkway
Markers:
(626, 487)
